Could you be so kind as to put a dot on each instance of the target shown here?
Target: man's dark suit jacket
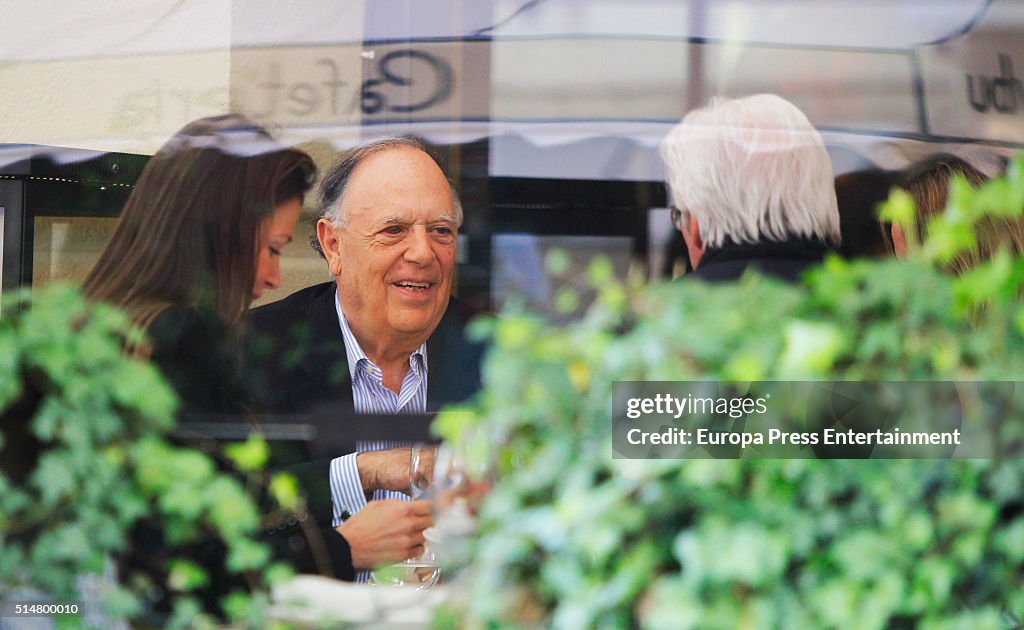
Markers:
(786, 261)
(297, 355)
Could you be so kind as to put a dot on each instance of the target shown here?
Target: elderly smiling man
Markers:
(384, 338)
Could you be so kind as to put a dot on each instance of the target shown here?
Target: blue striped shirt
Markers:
(370, 396)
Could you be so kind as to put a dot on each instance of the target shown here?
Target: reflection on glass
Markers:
(517, 261)
(65, 248)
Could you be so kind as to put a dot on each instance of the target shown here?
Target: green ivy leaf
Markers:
(185, 575)
(285, 490)
(811, 348)
(899, 209)
(247, 555)
(53, 478)
(251, 455)
(278, 572)
(601, 272)
(231, 511)
(557, 262)
(567, 300)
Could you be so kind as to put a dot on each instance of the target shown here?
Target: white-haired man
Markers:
(751, 187)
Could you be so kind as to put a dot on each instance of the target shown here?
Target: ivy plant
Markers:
(571, 538)
(86, 455)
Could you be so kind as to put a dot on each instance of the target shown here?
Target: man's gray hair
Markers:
(335, 182)
(752, 169)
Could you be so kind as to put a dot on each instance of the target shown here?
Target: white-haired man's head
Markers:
(751, 169)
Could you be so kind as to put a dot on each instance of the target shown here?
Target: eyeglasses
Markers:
(676, 215)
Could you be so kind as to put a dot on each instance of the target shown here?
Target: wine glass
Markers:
(419, 573)
(451, 495)
(422, 458)
(422, 571)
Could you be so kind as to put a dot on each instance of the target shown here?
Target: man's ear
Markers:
(694, 244)
(325, 233)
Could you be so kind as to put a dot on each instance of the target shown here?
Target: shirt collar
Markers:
(354, 353)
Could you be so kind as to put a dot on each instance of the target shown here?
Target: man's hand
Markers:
(385, 532)
(389, 470)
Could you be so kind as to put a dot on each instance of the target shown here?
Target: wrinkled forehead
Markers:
(402, 183)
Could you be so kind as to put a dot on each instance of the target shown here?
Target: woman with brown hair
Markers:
(197, 241)
(199, 238)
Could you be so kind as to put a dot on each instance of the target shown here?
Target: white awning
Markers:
(563, 88)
